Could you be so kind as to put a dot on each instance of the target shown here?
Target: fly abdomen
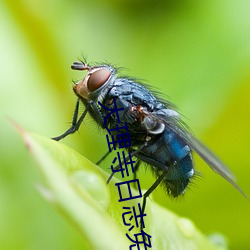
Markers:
(178, 149)
(180, 166)
(168, 154)
(178, 176)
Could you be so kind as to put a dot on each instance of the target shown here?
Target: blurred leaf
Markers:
(77, 188)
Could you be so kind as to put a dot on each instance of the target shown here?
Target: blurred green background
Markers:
(196, 52)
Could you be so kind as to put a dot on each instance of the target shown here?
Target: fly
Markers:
(158, 135)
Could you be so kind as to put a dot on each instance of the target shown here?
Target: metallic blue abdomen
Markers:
(168, 153)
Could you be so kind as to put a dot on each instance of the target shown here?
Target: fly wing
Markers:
(175, 124)
(208, 156)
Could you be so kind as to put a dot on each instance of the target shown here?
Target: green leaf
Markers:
(78, 189)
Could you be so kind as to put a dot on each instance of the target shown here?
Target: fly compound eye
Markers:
(97, 79)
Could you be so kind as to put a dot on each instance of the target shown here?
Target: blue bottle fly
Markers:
(158, 135)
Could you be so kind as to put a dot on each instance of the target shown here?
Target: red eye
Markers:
(97, 79)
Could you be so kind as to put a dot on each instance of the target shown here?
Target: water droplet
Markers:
(94, 185)
(186, 226)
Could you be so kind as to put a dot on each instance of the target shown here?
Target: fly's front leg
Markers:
(75, 124)
(97, 113)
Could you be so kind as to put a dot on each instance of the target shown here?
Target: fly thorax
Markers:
(152, 125)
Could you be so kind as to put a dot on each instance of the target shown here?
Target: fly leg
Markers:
(75, 124)
(113, 173)
(149, 191)
(97, 113)
(138, 163)
(132, 154)
(104, 157)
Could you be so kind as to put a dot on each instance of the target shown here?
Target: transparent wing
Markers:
(207, 155)
(175, 124)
